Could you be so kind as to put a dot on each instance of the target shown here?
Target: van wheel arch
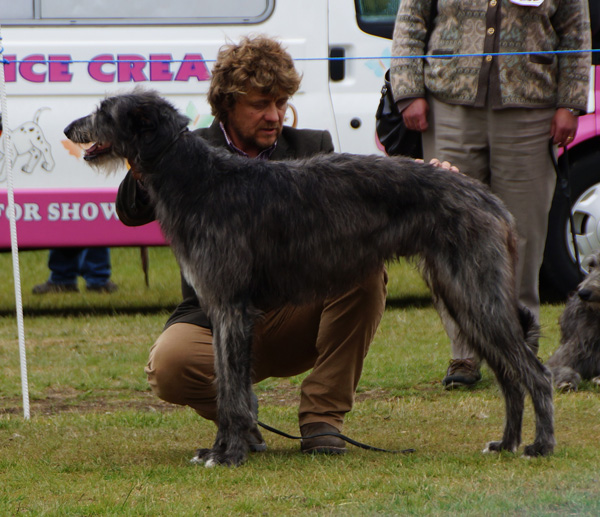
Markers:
(559, 267)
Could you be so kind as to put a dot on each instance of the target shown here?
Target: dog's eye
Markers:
(590, 263)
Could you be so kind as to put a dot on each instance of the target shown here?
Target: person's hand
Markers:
(415, 115)
(564, 127)
(443, 165)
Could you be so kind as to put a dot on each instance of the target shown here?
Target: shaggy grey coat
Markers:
(252, 235)
(578, 356)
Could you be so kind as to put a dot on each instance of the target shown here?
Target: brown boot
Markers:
(326, 444)
(461, 372)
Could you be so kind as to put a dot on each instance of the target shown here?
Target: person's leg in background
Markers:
(64, 269)
(95, 268)
(459, 135)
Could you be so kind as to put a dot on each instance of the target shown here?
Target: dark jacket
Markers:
(134, 209)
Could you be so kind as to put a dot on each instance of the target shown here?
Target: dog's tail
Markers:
(531, 328)
(36, 117)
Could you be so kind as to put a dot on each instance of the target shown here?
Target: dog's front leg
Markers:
(232, 342)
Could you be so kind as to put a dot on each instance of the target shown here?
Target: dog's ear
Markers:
(141, 120)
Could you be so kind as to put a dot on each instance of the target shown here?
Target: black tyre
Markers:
(559, 267)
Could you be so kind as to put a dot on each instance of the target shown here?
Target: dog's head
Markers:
(136, 126)
(589, 289)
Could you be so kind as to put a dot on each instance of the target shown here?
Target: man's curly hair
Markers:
(255, 63)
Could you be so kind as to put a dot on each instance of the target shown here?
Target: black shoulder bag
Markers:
(389, 124)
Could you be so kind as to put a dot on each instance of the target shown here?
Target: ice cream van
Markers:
(63, 56)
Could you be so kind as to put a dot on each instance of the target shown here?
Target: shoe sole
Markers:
(325, 450)
(457, 384)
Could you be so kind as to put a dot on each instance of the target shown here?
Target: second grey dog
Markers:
(578, 356)
(251, 235)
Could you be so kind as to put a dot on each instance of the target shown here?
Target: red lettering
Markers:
(130, 67)
(193, 65)
(95, 68)
(26, 68)
(58, 69)
(160, 67)
(10, 69)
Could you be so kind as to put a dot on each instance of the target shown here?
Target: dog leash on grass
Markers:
(339, 435)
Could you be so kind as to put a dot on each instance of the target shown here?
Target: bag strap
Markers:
(562, 169)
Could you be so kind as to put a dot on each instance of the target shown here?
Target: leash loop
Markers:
(338, 435)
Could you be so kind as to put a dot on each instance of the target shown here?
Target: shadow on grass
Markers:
(407, 302)
(396, 302)
(89, 311)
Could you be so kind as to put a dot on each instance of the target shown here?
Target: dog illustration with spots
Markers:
(29, 139)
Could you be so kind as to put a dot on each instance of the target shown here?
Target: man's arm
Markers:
(133, 204)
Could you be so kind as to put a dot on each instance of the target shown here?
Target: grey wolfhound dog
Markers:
(578, 356)
(251, 235)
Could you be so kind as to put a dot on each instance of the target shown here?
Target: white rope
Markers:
(8, 160)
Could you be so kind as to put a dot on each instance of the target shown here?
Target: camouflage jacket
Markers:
(494, 26)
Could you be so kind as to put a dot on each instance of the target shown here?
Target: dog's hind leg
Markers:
(232, 342)
(518, 369)
(538, 381)
(514, 399)
(514, 395)
(491, 326)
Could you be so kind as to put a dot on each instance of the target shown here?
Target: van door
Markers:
(359, 31)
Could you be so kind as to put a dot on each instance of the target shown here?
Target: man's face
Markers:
(255, 122)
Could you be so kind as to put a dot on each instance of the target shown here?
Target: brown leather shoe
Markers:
(325, 444)
(461, 372)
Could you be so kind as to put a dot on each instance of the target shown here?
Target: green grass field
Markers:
(99, 443)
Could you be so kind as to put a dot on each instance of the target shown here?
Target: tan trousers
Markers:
(331, 338)
(508, 150)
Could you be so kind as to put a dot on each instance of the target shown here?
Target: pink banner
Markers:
(53, 218)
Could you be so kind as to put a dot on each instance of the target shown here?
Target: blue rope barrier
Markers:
(328, 58)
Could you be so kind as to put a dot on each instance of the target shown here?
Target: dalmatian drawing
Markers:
(29, 139)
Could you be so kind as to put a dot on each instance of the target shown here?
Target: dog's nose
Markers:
(69, 129)
(585, 294)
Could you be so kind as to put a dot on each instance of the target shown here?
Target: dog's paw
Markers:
(565, 387)
(538, 449)
(226, 459)
(497, 447)
(200, 456)
(218, 456)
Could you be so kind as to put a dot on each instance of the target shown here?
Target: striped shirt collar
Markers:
(265, 154)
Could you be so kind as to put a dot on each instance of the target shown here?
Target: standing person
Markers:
(66, 264)
(249, 91)
(493, 115)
